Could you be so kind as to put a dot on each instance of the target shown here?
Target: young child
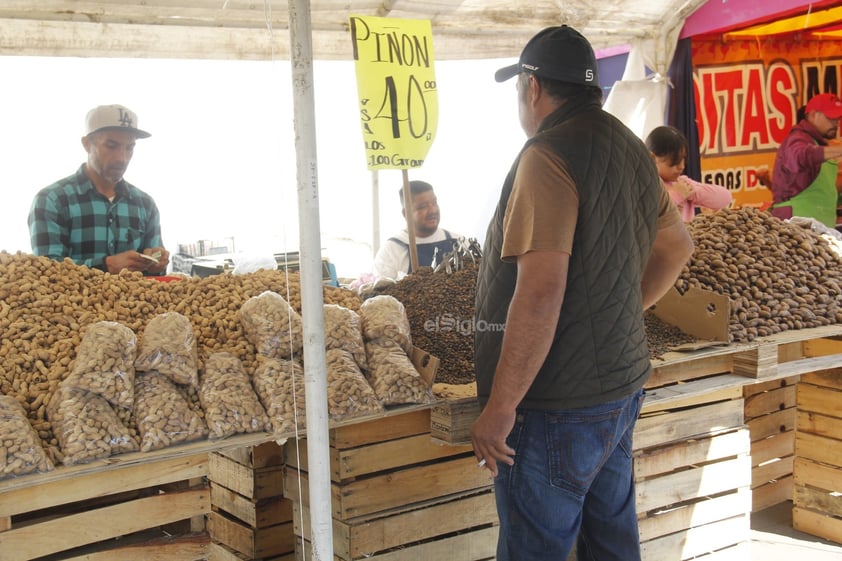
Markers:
(669, 147)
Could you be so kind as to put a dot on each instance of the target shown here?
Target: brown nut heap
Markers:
(163, 415)
(105, 363)
(349, 394)
(87, 427)
(384, 317)
(20, 448)
(393, 376)
(273, 327)
(778, 276)
(230, 403)
(168, 346)
(343, 331)
(279, 384)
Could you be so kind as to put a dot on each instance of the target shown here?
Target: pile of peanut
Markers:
(45, 307)
(778, 276)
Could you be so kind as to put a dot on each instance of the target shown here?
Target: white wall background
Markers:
(221, 159)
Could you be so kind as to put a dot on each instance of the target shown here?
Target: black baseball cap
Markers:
(557, 53)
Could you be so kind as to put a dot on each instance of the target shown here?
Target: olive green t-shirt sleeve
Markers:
(543, 207)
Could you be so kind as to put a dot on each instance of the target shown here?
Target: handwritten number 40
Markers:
(416, 107)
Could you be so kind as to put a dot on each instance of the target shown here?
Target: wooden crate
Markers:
(431, 530)
(397, 493)
(817, 471)
(692, 476)
(110, 513)
(250, 517)
(770, 415)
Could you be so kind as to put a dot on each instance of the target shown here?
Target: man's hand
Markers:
(128, 260)
(163, 257)
(488, 436)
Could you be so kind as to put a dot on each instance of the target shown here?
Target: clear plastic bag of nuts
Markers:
(164, 417)
(230, 403)
(343, 331)
(279, 384)
(168, 346)
(272, 325)
(105, 363)
(393, 377)
(349, 394)
(384, 317)
(20, 447)
(87, 427)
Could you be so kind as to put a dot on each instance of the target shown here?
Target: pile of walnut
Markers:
(440, 308)
(778, 276)
(45, 306)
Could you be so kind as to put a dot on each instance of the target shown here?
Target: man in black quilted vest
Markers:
(584, 239)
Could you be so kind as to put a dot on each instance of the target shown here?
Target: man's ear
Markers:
(403, 212)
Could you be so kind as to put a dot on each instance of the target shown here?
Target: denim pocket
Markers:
(578, 445)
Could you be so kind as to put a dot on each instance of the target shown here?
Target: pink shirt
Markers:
(705, 195)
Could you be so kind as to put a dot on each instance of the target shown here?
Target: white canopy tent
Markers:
(302, 31)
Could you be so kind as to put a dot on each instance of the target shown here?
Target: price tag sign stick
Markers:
(410, 223)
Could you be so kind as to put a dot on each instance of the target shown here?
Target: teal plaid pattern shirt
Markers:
(70, 218)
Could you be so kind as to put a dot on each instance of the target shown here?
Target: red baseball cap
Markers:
(826, 103)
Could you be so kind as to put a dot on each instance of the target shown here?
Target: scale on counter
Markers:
(217, 264)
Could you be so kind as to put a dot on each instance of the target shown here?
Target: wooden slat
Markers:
(690, 484)
(100, 483)
(772, 424)
(694, 392)
(820, 399)
(697, 541)
(382, 456)
(67, 532)
(817, 448)
(771, 471)
(653, 461)
(817, 524)
(395, 489)
(822, 347)
(251, 542)
(780, 445)
(175, 548)
(474, 545)
(252, 483)
(408, 424)
(822, 476)
(256, 513)
(771, 494)
(754, 387)
(695, 514)
(263, 455)
(659, 429)
(366, 536)
(817, 500)
(821, 425)
(769, 402)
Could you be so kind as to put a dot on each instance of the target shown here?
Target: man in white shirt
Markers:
(431, 242)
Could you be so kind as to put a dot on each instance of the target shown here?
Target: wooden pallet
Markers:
(692, 478)
(84, 513)
(770, 415)
(395, 490)
(818, 450)
(250, 517)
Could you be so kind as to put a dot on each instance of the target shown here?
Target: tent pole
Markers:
(375, 213)
(312, 298)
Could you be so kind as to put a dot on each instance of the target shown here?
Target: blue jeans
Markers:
(572, 477)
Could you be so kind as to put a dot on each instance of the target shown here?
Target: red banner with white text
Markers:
(747, 97)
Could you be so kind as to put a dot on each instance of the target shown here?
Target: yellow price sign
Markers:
(396, 85)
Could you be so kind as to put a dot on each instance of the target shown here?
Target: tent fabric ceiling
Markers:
(255, 30)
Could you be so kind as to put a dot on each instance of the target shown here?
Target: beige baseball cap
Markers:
(113, 117)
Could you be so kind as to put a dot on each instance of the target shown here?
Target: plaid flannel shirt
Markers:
(70, 218)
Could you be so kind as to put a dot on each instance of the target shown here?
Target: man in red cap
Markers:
(806, 166)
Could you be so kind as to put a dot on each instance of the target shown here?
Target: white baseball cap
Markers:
(113, 117)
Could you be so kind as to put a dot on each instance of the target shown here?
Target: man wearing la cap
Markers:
(806, 166)
(584, 239)
(95, 217)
